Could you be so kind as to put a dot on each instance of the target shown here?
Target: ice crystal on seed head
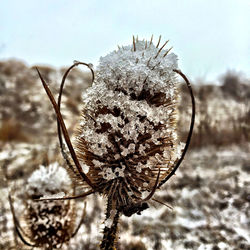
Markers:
(49, 180)
(132, 65)
(128, 126)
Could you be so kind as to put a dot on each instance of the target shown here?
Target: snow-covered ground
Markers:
(209, 194)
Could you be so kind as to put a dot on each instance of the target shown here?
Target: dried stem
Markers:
(190, 129)
(110, 234)
(65, 156)
(67, 197)
(64, 130)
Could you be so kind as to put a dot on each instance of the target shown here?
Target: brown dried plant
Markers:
(127, 140)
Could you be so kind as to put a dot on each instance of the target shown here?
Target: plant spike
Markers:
(158, 42)
(162, 203)
(151, 40)
(134, 43)
(167, 52)
(154, 188)
(161, 48)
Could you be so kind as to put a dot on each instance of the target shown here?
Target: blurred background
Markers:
(210, 192)
(210, 37)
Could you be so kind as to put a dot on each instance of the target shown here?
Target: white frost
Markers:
(49, 180)
(58, 195)
(127, 62)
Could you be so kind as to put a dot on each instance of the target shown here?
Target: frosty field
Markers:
(209, 194)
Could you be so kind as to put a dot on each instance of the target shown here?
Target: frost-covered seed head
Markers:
(128, 126)
(49, 223)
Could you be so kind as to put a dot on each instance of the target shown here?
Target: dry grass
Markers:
(223, 113)
(222, 118)
(10, 130)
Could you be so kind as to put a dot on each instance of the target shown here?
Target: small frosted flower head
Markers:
(49, 223)
(128, 127)
(49, 180)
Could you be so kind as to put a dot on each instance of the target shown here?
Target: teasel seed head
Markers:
(49, 224)
(128, 130)
(127, 144)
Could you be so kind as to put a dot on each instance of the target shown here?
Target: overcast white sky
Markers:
(210, 37)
